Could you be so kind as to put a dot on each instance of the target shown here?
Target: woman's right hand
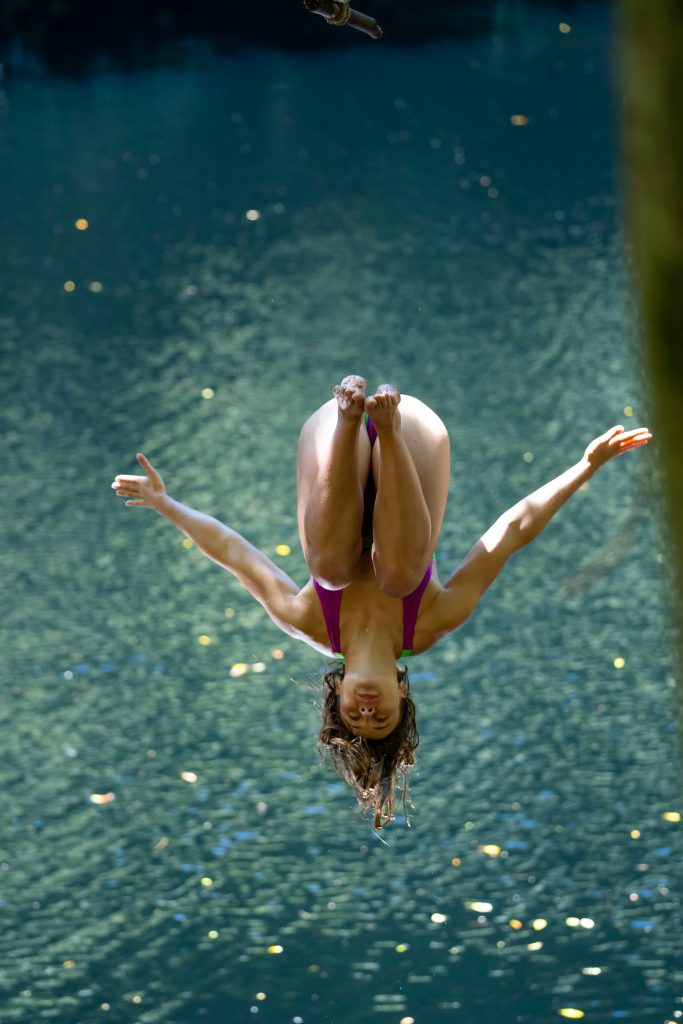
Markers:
(146, 491)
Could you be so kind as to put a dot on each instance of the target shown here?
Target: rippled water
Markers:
(171, 849)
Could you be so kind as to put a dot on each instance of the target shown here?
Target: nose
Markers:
(365, 708)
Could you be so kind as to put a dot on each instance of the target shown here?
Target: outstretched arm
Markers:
(272, 587)
(521, 524)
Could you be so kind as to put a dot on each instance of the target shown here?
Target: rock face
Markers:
(74, 37)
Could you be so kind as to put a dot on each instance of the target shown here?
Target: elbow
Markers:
(519, 530)
(523, 535)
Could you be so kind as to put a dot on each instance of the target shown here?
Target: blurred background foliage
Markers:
(651, 54)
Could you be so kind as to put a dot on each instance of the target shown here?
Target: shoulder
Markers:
(454, 601)
(443, 610)
(300, 615)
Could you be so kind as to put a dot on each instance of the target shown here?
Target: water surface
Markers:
(408, 230)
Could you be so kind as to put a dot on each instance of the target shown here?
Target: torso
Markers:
(363, 603)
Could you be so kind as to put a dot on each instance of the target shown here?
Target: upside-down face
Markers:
(370, 707)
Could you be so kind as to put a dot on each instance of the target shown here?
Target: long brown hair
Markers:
(373, 768)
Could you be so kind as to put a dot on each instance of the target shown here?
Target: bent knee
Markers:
(331, 571)
(397, 581)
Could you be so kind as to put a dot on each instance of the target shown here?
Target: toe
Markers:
(354, 381)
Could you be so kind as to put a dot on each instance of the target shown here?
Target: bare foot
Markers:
(350, 395)
(383, 406)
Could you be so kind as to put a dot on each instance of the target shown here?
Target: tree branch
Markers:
(338, 12)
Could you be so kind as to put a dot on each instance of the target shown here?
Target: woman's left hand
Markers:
(613, 443)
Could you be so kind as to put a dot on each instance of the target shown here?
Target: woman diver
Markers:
(372, 484)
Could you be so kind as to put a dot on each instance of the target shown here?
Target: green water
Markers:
(378, 250)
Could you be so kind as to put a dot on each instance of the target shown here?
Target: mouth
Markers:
(369, 698)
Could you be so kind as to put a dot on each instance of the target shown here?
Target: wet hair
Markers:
(374, 768)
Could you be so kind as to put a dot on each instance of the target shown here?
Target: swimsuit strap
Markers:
(330, 601)
(411, 607)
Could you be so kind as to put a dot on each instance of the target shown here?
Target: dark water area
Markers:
(74, 38)
(171, 850)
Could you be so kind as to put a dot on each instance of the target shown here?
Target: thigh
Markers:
(314, 455)
(428, 443)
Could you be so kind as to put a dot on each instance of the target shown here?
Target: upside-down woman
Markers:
(372, 484)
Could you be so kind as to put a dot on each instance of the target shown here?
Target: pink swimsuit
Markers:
(330, 600)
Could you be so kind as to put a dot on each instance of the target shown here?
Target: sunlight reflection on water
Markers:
(171, 848)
